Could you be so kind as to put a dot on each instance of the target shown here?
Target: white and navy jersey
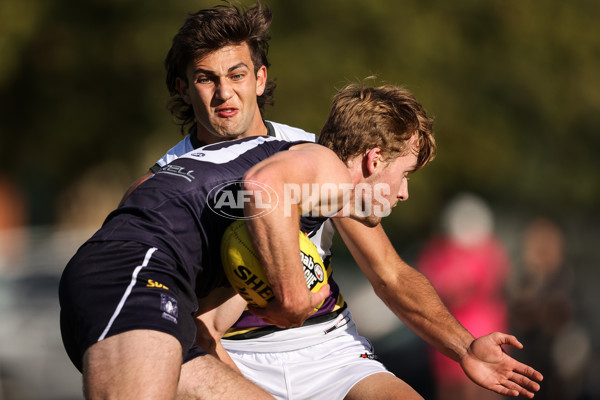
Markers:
(174, 210)
(274, 129)
(323, 238)
(320, 232)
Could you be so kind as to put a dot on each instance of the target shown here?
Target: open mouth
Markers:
(226, 112)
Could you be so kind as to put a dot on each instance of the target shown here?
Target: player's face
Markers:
(222, 89)
(389, 183)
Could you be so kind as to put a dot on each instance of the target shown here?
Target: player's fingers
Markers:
(280, 320)
(525, 375)
(259, 312)
(504, 338)
(262, 314)
(320, 296)
(510, 388)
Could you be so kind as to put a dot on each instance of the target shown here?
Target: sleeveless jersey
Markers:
(249, 325)
(172, 210)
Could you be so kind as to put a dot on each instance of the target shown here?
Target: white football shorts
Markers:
(321, 361)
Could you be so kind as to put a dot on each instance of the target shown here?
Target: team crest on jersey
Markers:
(168, 306)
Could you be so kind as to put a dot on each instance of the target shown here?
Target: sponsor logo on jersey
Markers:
(313, 271)
(177, 170)
(369, 356)
(154, 284)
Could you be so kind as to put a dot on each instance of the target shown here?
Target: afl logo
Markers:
(228, 199)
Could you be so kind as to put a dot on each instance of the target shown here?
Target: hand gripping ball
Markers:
(245, 273)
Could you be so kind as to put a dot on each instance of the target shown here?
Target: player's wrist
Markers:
(297, 300)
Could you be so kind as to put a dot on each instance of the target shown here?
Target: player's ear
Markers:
(261, 80)
(182, 89)
(372, 160)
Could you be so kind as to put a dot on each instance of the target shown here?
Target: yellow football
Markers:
(245, 273)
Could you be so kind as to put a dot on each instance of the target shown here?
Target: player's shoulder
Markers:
(184, 146)
(290, 133)
(253, 148)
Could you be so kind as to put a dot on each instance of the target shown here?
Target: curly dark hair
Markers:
(209, 30)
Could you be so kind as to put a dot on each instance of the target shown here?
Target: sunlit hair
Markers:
(209, 30)
(385, 117)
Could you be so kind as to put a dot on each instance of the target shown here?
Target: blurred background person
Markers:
(468, 266)
(542, 310)
(13, 220)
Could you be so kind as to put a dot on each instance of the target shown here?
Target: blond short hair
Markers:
(386, 117)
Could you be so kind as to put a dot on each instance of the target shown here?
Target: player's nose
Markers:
(224, 90)
(403, 191)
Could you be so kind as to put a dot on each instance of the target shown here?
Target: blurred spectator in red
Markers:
(12, 224)
(468, 266)
(542, 311)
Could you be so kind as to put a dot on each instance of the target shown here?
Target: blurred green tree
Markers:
(513, 86)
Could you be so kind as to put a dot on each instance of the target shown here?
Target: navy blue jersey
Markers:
(173, 211)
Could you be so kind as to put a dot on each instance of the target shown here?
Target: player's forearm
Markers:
(216, 314)
(412, 298)
(278, 248)
(211, 343)
(407, 292)
(219, 311)
(275, 237)
(224, 356)
(276, 233)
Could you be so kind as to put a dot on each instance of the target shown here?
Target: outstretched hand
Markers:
(486, 364)
(293, 315)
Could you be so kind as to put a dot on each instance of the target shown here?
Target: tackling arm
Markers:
(275, 234)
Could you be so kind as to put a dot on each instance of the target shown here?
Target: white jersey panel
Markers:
(225, 155)
(282, 131)
(290, 133)
(184, 146)
(323, 238)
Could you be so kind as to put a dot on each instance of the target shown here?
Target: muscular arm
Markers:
(410, 295)
(406, 291)
(275, 235)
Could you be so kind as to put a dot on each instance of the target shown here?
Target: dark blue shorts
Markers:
(113, 287)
